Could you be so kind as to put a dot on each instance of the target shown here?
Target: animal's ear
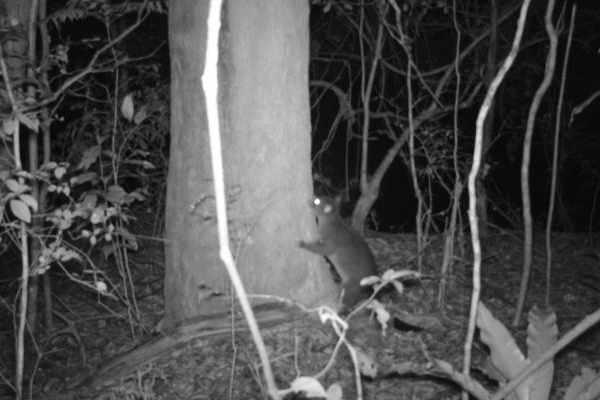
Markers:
(328, 209)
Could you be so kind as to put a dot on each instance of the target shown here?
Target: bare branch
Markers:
(90, 66)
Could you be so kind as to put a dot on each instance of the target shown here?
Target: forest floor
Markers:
(225, 365)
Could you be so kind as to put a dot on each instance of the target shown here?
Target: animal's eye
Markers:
(317, 201)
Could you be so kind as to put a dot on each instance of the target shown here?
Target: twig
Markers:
(583, 105)
(473, 221)
(458, 185)
(89, 68)
(366, 100)
(557, 128)
(20, 356)
(525, 196)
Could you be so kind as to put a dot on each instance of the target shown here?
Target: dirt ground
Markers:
(222, 363)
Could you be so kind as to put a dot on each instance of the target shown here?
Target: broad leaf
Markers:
(129, 239)
(82, 178)
(505, 354)
(334, 392)
(115, 194)
(541, 335)
(585, 386)
(20, 210)
(140, 115)
(9, 125)
(89, 157)
(30, 201)
(29, 121)
(127, 107)
(310, 386)
(14, 186)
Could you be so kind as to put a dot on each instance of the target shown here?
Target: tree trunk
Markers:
(265, 127)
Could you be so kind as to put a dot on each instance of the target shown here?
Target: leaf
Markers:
(49, 165)
(584, 386)
(398, 286)
(59, 172)
(382, 315)
(101, 287)
(127, 107)
(369, 280)
(392, 274)
(334, 392)
(142, 163)
(20, 210)
(82, 178)
(310, 386)
(140, 116)
(97, 216)
(30, 122)
(115, 194)
(25, 175)
(139, 152)
(89, 157)
(505, 354)
(107, 250)
(68, 255)
(30, 201)
(90, 200)
(135, 195)
(110, 154)
(490, 370)
(9, 125)
(13, 186)
(148, 165)
(130, 240)
(542, 333)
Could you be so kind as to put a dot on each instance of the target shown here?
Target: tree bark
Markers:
(265, 128)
